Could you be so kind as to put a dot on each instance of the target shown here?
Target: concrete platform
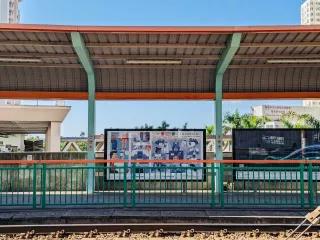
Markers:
(145, 215)
(200, 200)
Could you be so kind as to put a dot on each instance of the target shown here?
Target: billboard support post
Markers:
(84, 58)
(224, 62)
(310, 186)
(302, 185)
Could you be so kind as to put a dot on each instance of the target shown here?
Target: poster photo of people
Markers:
(168, 145)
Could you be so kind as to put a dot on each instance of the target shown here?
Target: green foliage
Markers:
(185, 125)
(145, 126)
(237, 120)
(210, 130)
(83, 146)
(164, 125)
(295, 120)
(33, 138)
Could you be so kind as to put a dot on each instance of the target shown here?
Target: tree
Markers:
(33, 138)
(232, 120)
(237, 120)
(312, 121)
(210, 130)
(185, 125)
(145, 126)
(294, 120)
(82, 134)
(164, 125)
(252, 121)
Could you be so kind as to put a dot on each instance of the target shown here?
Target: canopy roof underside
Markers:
(38, 61)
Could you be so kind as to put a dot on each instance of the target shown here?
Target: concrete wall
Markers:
(16, 140)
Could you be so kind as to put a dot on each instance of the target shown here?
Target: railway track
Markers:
(148, 227)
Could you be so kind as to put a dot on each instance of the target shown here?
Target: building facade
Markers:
(17, 121)
(310, 12)
(310, 15)
(274, 113)
(9, 11)
(311, 103)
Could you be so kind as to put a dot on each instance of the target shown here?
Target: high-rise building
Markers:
(310, 15)
(9, 11)
(310, 12)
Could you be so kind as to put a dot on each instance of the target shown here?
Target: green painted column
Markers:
(225, 60)
(84, 58)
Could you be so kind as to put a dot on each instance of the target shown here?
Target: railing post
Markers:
(302, 185)
(310, 186)
(34, 186)
(133, 185)
(125, 190)
(43, 185)
(221, 177)
(213, 173)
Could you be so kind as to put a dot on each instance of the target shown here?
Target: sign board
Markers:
(167, 145)
(275, 144)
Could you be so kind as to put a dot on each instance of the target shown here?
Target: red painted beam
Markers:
(160, 29)
(156, 96)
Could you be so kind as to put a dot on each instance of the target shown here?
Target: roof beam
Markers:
(40, 65)
(280, 44)
(150, 66)
(110, 45)
(107, 56)
(276, 66)
(27, 43)
(161, 56)
(157, 95)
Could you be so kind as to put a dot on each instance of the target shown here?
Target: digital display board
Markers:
(256, 144)
(275, 144)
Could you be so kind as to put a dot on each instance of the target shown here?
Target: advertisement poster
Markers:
(275, 144)
(165, 145)
(255, 144)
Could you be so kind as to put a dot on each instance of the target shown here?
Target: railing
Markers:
(260, 184)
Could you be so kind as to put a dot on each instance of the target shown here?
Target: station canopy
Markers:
(272, 62)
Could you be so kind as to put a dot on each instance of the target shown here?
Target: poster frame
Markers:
(264, 129)
(204, 177)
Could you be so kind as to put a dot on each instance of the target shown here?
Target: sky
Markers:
(130, 114)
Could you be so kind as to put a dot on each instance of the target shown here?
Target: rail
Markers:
(242, 183)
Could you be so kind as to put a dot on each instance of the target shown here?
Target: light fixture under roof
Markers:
(20, 60)
(153, 61)
(293, 61)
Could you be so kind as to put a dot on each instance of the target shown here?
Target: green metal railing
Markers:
(44, 185)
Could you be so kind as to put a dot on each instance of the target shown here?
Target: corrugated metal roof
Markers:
(198, 48)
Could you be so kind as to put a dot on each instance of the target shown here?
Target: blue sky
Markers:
(120, 114)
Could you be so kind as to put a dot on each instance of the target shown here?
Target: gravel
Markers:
(156, 235)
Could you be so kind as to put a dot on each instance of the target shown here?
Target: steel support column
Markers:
(84, 58)
(225, 60)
